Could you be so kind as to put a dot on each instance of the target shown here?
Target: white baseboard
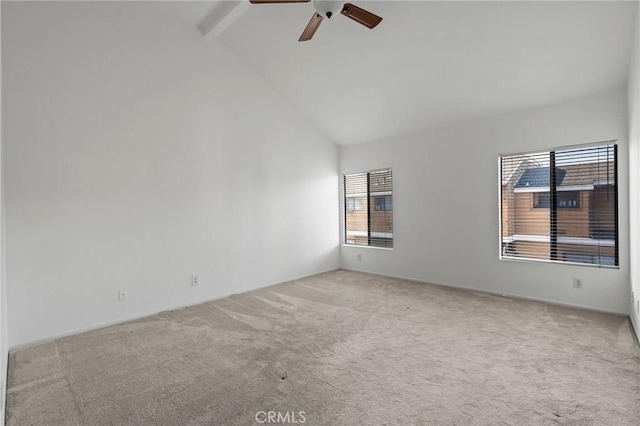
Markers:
(497, 293)
(49, 339)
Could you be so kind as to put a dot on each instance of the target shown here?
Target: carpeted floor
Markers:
(340, 348)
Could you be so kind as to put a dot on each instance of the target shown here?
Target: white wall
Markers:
(138, 154)
(634, 175)
(3, 287)
(446, 203)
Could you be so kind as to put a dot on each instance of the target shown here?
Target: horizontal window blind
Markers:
(368, 208)
(561, 205)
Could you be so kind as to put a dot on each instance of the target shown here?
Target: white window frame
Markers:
(344, 238)
(560, 240)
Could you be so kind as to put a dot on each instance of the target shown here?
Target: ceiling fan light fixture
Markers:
(327, 8)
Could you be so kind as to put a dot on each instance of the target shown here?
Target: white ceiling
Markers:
(431, 63)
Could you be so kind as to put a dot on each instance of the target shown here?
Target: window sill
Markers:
(556, 262)
(355, 246)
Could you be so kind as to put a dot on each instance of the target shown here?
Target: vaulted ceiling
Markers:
(431, 63)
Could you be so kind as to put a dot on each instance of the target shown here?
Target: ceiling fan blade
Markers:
(312, 27)
(278, 1)
(360, 15)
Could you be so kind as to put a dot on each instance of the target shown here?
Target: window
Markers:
(383, 203)
(568, 199)
(368, 208)
(354, 204)
(560, 206)
(541, 200)
(565, 199)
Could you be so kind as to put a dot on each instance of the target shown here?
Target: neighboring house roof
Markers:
(573, 175)
(602, 173)
(538, 177)
(515, 166)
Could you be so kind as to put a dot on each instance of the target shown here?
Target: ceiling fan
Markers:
(327, 9)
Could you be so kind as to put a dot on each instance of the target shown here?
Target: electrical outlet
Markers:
(195, 280)
(359, 257)
(122, 294)
(577, 283)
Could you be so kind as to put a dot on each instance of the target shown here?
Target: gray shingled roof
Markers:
(569, 175)
(538, 177)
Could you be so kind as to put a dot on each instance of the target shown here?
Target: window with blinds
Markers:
(561, 206)
(368, 209)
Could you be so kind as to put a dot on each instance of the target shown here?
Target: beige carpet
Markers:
(343, 348)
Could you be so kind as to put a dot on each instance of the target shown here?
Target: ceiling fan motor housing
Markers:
(327, 8)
